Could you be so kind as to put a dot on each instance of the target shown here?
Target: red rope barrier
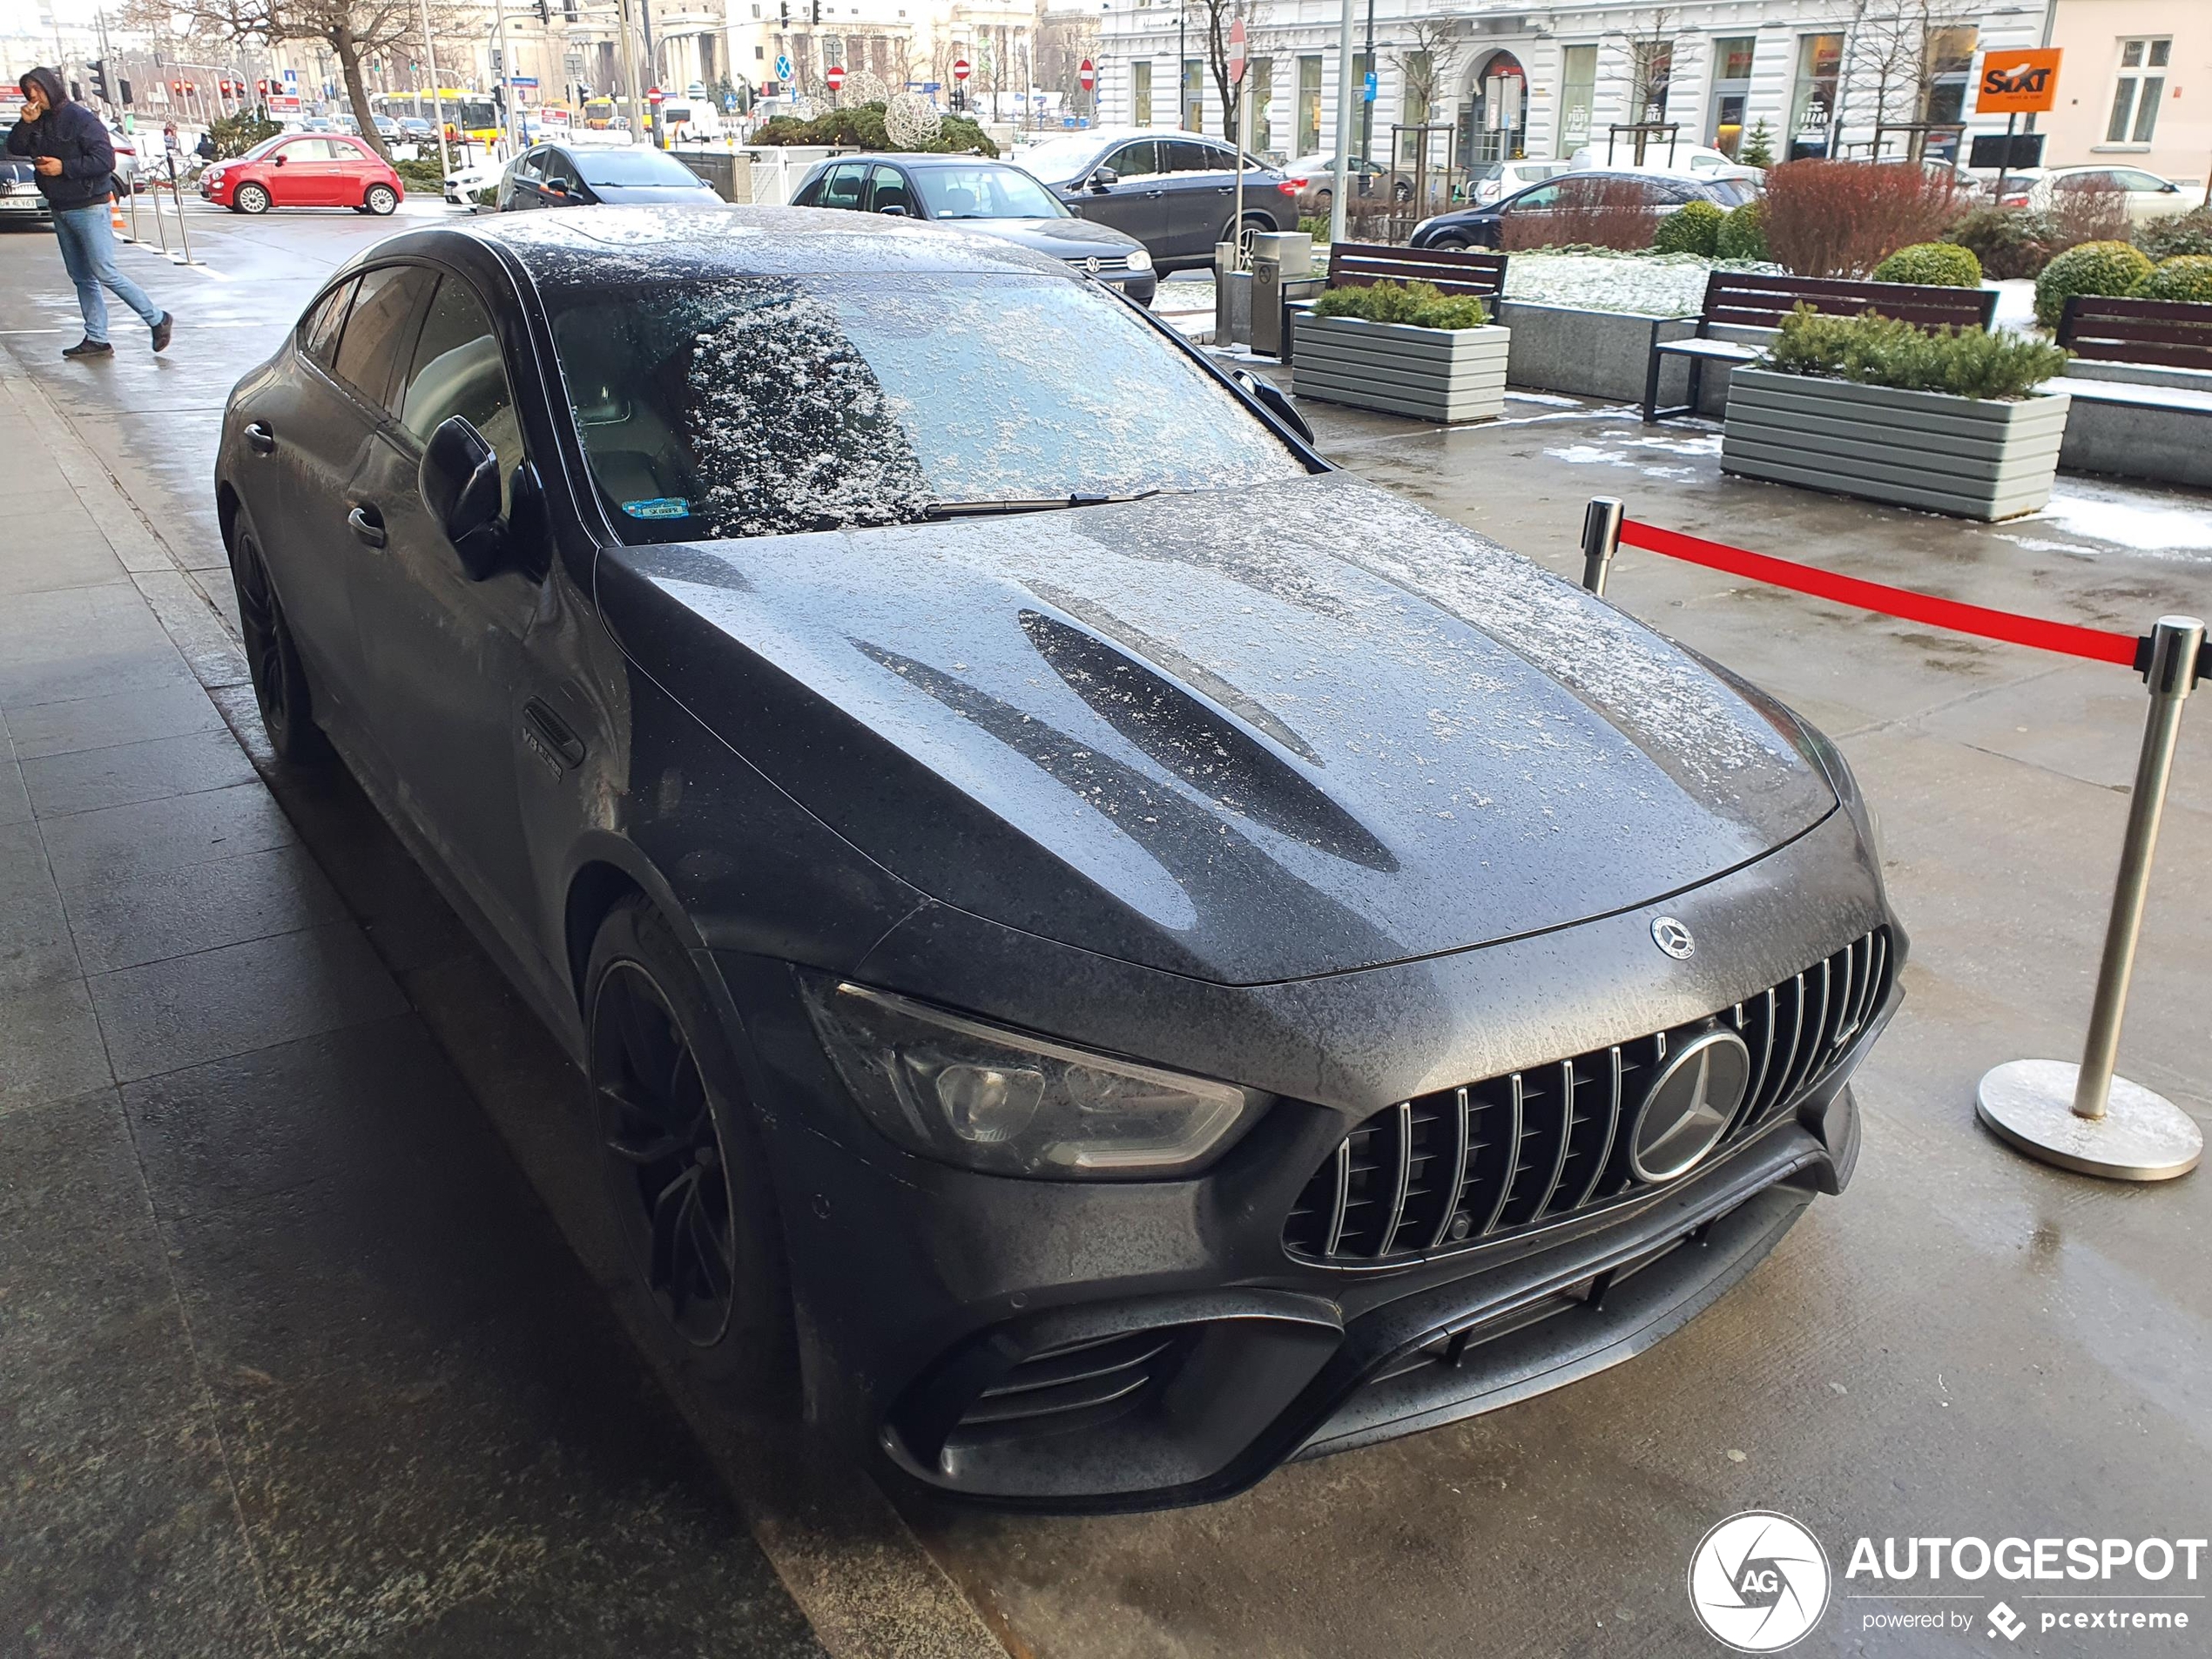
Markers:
(2097, 644)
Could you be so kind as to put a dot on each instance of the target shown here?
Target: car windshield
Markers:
(986, 193)
(1061, 158)
(717, 406)
(620, 168)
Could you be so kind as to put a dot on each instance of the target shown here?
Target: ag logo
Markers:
(1758, 1581)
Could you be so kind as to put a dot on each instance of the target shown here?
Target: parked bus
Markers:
(470, 117)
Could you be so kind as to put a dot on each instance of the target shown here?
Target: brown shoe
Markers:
(88, 348)
(162, 330)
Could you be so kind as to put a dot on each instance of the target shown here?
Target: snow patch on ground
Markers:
(1662, 285)
(1588, 455)
(2164, 525)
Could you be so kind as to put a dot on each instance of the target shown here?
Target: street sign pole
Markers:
(1343, 128)
(1243, 134)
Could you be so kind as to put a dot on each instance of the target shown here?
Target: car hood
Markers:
(1059, 239)
(1248, 736)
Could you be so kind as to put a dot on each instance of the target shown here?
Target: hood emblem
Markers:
(1673, 937)
(1091, 264)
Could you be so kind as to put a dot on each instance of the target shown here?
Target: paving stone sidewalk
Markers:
(291, 1360)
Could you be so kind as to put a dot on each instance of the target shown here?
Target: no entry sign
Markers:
(1237, 52)
(959, 69)
(835, 77)
(1089, 74)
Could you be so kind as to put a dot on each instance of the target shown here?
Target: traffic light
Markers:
(123, 82)
(99, 67)
(76, 90)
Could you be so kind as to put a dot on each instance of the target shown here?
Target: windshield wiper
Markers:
(1027, 504)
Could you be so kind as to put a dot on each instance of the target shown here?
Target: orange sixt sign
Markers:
(2021, 82)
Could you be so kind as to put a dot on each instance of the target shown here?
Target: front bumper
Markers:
(926, 1294)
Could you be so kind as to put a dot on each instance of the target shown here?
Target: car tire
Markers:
(380, 200)
(1250, 225)
(250, 198)
(683, 1169)
(1323, 201)
(273, 660)
(1450, 244)
(1401, 193)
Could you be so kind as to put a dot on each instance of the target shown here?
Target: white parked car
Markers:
(2149, 195)
(1699, 160)
(1502, 179)
(463, 183)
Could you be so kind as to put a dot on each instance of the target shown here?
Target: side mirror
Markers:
(892, 211)
(1275, 401)
(1102, 176)
(280, 158)
(459, 479)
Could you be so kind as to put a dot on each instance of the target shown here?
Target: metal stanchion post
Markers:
(2084, 1118)
(177, 196)
(1600, 540)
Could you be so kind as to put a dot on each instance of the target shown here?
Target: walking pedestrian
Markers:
(206, 150)
(75, 162)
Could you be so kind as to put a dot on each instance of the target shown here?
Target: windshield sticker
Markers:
(659, 507)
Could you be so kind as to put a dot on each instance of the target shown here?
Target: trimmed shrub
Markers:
(1881, 351)
(1743, 233)
(1942, 264)
(1694, 228)
(421, 177)
(2094, 268)
(2186, 276)
(2172, 234)
(2008, 241)
(235, 134)
(1421, 304)
(1842, 218)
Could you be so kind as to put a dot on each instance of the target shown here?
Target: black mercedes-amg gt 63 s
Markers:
(1108, 954)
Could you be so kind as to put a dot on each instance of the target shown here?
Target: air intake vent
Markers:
(1467, 1164)
(1075, 1385)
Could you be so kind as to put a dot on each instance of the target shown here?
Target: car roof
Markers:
(931, 158)
(740, 241)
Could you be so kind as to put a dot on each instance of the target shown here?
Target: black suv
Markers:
(1174, 191)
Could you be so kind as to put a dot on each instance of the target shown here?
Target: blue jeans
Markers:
(88, 251)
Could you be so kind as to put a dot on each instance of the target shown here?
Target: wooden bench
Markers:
(1735, 299)
(2172, 333)
(1361, 264)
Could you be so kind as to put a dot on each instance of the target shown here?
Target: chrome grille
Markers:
(1468, 1165)
(1107, 264)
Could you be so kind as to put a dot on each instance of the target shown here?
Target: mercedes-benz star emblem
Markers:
(1091, 264)
(1673, 937)
(1690, 1105)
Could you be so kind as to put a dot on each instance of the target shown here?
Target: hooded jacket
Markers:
(73, 135)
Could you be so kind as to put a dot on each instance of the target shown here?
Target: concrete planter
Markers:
(1443, 374)
(1968, 457)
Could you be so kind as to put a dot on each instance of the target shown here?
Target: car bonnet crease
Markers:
(1251, 735)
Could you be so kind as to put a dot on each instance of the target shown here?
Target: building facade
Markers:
(1475, 81)
(2134, 86)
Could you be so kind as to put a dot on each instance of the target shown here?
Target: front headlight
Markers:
(1139, 259)
(1005, 1103)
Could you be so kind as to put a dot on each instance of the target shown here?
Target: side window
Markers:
(530, 167)
(2130, 179)
(887, 188)
(1138, 160)
(841, 185)
(1188, 155)
(457, 370)
(319, 327)
(1546, 196)
(379, 329)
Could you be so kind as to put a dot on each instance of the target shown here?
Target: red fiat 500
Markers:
(304, 170)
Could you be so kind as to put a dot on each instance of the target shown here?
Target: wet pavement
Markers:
(308, 1342)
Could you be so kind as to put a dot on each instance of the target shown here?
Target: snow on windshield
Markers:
(762, 406)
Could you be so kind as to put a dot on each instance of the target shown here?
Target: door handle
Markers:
(260, 439)
(367, 523)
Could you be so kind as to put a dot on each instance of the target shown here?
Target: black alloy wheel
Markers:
(279, 678)
(667, 1168)
(682, 1166)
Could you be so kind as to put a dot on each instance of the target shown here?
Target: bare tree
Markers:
(1647, 66)
(354, 31)
(1902, 56)
(1214, 18)
(1063, 43)
(1424, 64)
